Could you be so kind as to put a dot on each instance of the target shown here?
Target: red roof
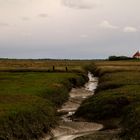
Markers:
(137, 54)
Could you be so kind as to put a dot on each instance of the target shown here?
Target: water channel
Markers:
(69, 129)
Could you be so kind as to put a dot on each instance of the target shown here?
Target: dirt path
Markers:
(69, 129)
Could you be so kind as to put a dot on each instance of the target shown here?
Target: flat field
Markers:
(41, 65)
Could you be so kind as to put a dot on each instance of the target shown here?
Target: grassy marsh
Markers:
(117, 97)
(30, 92)
(28, 102)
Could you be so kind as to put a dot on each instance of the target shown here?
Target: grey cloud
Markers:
(3, 24)
(43, 15)
(80, 4)
(83, 36)
(25, 18)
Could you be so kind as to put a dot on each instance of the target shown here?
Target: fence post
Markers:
(53, 68)
(66, 69)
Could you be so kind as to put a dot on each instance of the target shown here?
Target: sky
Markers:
(69, 29)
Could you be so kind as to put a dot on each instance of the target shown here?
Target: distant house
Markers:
(137, 55)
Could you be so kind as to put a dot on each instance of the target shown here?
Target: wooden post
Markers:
(66, 69)
(53, 68)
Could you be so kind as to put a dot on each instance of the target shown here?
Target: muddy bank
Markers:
(101, 135)
(69, 129)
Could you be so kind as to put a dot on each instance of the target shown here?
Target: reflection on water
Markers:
(92, 84)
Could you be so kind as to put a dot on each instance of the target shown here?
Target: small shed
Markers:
(137, 55)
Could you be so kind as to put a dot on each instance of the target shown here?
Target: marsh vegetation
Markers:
(29, 99)
(116, 102)
(31, 92)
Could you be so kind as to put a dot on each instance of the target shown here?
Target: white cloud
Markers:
(107, 25)
(80, 4)
(83, 36)
(26, 34)
(130, 29)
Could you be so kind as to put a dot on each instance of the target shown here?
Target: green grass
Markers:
(28, 102)
(30, 92)
(117, 96)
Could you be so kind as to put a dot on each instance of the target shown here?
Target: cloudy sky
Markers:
(70, 29)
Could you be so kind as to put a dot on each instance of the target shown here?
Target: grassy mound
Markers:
(25, 117)
(117, 96)
(28, 102)
(131, 123)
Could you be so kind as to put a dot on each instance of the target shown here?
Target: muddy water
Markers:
(69, 129)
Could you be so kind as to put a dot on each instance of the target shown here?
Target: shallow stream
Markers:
(69, 129)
